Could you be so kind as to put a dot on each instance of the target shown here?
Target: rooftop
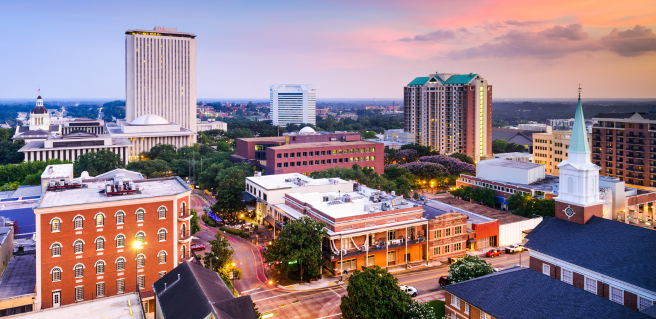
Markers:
(19, 278)
(525, 293)
(129, 174)
(293, 180)
(442, 208)
(340, 205)
(503, 216)
(33, 146)
(324, 144)
(514, 154)
(91, 193)
(280, 139)
(500, 162)
(115, 307)
(58, 171)
(595, 246)
(625, 116)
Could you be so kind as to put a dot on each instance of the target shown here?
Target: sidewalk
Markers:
(438, 295)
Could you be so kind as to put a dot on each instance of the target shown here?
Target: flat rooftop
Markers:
(324, 144)
(91, 193)
(442, 208)
(280, 139)
(58, 171)
(338, 206)
(503, 216)
(547, 184)
(115, 307)
(293, 180)
(514, 154)
(500, 162)
(19, 278)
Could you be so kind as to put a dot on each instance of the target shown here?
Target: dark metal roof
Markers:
(513, 136)
(39, 110)
(650, 311)
(618, 250)
(525, 293)
(194, 292)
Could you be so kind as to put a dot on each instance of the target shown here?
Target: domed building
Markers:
(39, 128)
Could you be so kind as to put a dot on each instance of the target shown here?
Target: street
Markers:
(322, 302)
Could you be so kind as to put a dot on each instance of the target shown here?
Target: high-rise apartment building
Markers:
(450, 113)
(293, 104)
(552, 148)
(160, 75)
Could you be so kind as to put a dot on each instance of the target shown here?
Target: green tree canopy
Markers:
(468, 267)
(374, 293)
(220, 257)
(150, 168)
(369, 135)
(463, 158)
(9, 153)
(421, 149)
(298, 248)
(499, 146)
(231, 182)
(96, 163)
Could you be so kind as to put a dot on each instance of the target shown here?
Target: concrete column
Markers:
(26, 156)
(406, 247)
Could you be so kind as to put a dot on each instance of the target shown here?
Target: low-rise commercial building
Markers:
(552, 148)
(211, 125)
(395, 139)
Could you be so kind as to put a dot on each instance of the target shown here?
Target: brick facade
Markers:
(581, 214)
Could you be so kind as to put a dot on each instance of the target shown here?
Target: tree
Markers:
(298, 248)
(512, 147)
(527, 206)
(468, 267)
(463, 158)
(483, 196)
(499, 146)
(165, 152)
(230, 184)
(374, 293)
(421, 149)
(420, 310)
(223, 146)
(452, 164)
(425, 170)
(9, 153)
(194, 224)
(462, 192)
(219, 258)
(406, 156)
(32, 179)
(96, 163)
(151, 168)
(369, 135)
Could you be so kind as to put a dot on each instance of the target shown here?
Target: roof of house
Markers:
(525, 293)
(202, 292)
(513, 136)
(604, 246)
(650, 311)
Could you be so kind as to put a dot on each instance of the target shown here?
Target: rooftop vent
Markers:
(64, 184)
(120, 186)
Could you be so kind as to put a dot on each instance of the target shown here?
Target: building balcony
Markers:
(609, 139)
(619, 166)
(597, 138)
(597, 158)
(184, 239)
(184, 218)
(596, 151)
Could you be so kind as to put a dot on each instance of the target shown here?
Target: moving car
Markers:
(494, 253)
(444, 280)
(197, 247)
(412, 291)
(514, 249)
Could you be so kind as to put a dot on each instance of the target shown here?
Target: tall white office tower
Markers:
(160, 75)
(293, 103)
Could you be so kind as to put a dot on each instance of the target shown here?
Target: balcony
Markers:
(596, 151)
(597, 158)
(609, 139)
(597, 138)
(619, 166)
(184, 239)
(184, 218)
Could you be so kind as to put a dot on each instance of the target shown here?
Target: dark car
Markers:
(444, 280)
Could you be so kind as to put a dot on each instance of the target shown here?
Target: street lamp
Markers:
(232, 276)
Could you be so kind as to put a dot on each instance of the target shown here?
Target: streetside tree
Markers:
(468, 267)
(219, 258)
(298, 248)
(374, 293)
(96, 163)
(194, 224)
(231, 182)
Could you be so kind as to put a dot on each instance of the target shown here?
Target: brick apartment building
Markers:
(624, 146)
(308, 151)
(86, 237)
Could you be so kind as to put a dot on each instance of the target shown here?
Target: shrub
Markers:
(236, 232)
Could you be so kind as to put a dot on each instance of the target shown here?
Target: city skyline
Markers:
(363, 50)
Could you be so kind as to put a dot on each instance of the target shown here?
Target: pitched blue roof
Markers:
(618, 250)
(525, 293)
(460, 78)
(419, 81)
(579, 140)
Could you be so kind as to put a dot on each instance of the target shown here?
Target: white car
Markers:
(514, 249)
(412, 291)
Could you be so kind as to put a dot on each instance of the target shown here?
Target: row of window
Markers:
(590, 285)
(447, 249)
(78, 245)
(447, 232)
(100, 266)
(324, 162)
(492, 186)
(100, 288)
(99, 219)
(324, 153)
(455, 302)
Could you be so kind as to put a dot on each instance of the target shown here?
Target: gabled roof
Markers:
(513, 136)
(460, 78)
(621, 251)
(419, 81)
(191, 291)
(525, 293)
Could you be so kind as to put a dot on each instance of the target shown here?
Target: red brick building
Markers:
(87, 236)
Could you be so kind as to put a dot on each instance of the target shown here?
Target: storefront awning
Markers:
(501, 200)
(269, 219)
(247, 196)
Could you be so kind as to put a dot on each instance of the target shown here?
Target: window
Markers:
(120, 241)
(140, 237)
(644, 303)
(141, 260)
(161, 274)
(79, 244)
(183, 231)
(162, 212)
(447, 232)
(100, 267)
(100, 243)
(447, 249)
(162, 257)
(457, 246)
(79, 270)
(55, 225)
(590, 285)
(437, 251)
(457, 230)
(183, 209)
(120, 264)
(56, 250)
(616, 295)
(142, 281)
(455, 301)
(466, 308)
(120, 286)
(120, 216)
(278, 155)
(79, 293)
(546, 269)
(485, 316)
(438, 233)
(161, 234)
(182, 252)
(56, 274)
(391, 234)
(77, 222)
(566, 276)
(100, 220)
(140, 215)
(279, 165)
(100, 289)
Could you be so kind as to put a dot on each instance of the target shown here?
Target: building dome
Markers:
(307, 130)
(39, 109)
(149, 119)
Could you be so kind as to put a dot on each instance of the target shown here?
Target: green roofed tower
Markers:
(450, 113)
(579, 140)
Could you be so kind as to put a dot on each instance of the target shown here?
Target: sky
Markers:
(349, 49)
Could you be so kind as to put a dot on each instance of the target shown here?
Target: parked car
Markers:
(412, 291)
(514, 249)
(422, 197)
(456, 258)
(197, 247)
(494, 253)
(444, 280)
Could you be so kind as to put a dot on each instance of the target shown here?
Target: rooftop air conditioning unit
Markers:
(325, 199)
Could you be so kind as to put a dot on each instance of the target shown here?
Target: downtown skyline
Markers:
(370, 49)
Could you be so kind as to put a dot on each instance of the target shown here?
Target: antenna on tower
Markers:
(580, 89)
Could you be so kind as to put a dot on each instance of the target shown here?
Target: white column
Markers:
(26, 156)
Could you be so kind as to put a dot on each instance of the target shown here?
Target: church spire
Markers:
(579, 139)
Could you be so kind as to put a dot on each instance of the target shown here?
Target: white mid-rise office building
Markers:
(293, 103)
(160, 70)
